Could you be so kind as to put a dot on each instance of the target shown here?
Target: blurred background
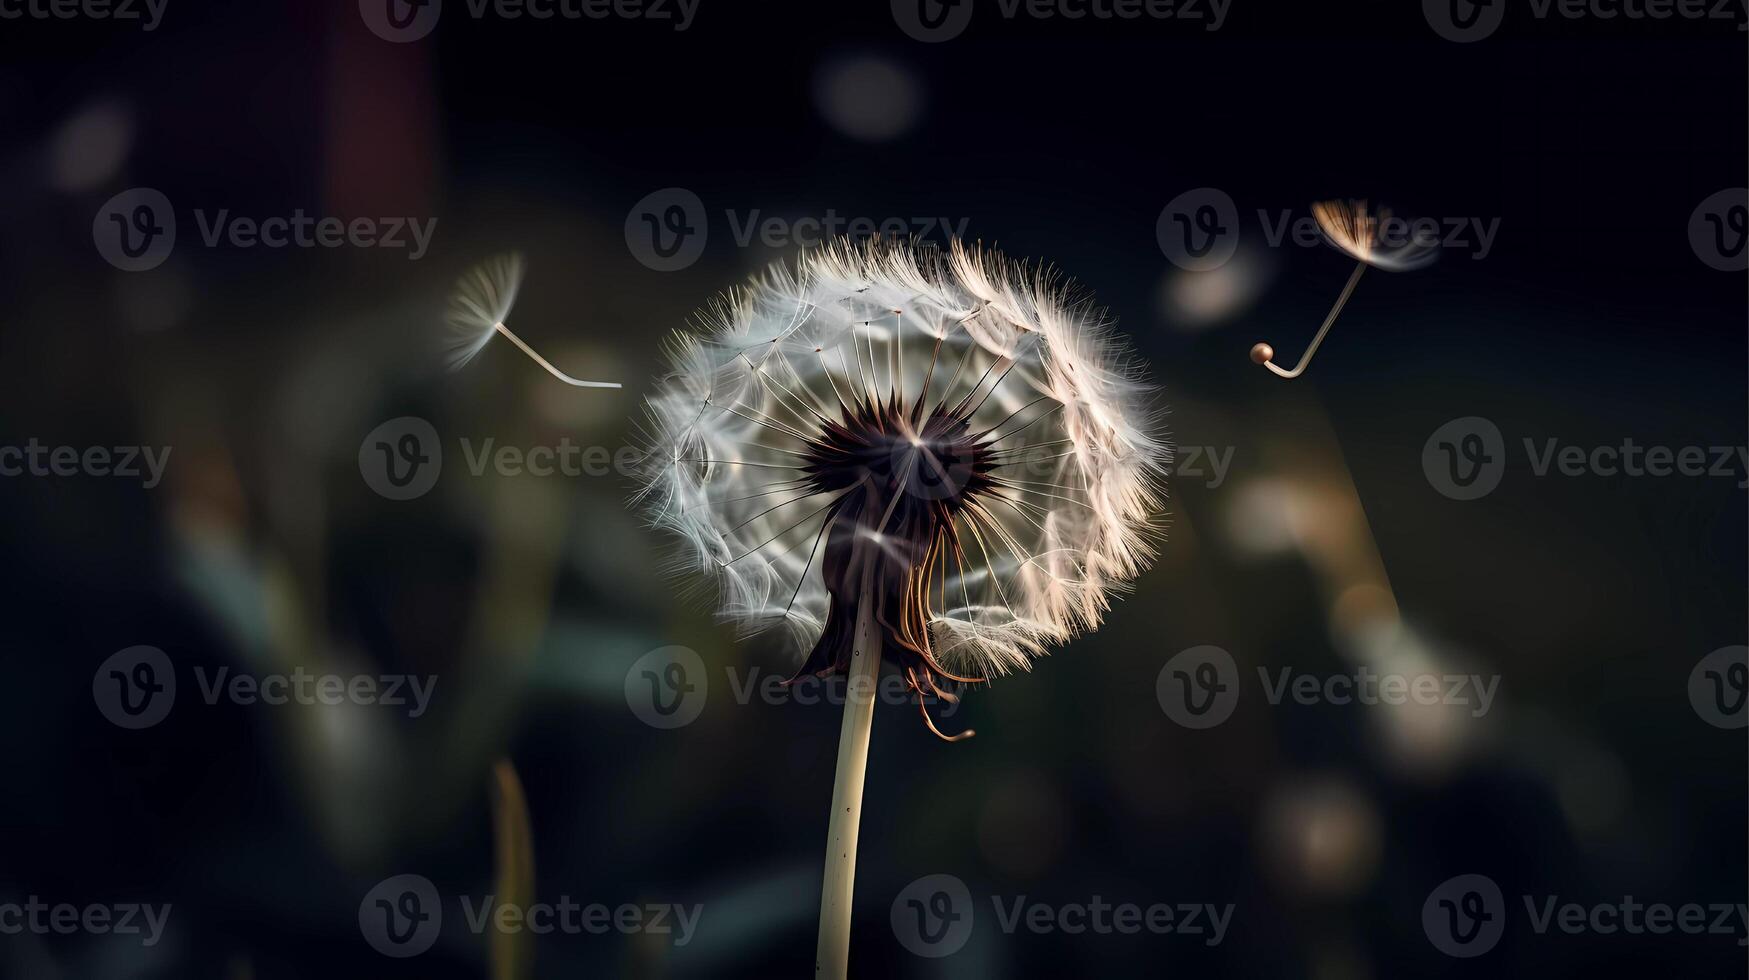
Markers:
(644, 168)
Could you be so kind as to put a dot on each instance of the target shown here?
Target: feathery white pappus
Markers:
(958, 427)
(1368, 235)
(480, 306)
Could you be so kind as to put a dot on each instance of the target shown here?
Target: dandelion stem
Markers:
(832, 955)
(1341, 300)
(543, 362)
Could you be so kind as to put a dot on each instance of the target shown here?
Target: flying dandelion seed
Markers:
(479, 308)
(1351, 229)
(939, 461)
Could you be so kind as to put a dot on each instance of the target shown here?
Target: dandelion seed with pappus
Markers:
(478, 308)
(1365, 236)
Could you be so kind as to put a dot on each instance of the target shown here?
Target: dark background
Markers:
(1591, 598)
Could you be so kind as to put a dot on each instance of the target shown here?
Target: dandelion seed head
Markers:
(956, 425)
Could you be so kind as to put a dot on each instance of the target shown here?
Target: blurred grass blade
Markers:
(511, 953)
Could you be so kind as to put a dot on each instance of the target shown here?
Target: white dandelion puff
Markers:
(950, 435)
(480, 306)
